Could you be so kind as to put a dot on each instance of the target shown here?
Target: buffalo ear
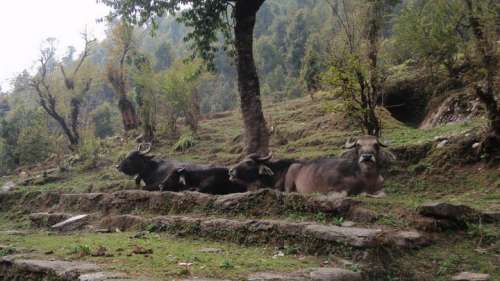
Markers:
(265, 170)
(350, 154)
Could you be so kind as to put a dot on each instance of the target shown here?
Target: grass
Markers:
(452, 254)
(170, 258)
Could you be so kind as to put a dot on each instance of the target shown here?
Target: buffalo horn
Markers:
(349, 144)
(148, 148)
(265, 158)
(381, 143)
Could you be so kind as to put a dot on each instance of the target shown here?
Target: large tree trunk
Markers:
(129, 115)
(487, 50)
(256, 132)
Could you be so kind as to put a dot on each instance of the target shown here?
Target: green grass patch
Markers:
(170, 258)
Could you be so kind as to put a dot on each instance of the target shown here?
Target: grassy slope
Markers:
(303, 129)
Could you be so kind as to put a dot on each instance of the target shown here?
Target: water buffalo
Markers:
(206, 179)
(261, 172)
(356, 172)
(153, 172)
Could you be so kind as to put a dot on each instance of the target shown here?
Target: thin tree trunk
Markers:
(129, 115)
(374, 89)
(256, 132)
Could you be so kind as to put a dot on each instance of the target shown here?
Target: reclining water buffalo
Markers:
(261, 172)
(356, 172)
(153, 172)
(206, 179)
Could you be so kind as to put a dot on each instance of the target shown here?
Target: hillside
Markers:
(302, 128)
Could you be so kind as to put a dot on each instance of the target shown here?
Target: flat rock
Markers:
(211, 250)
(334, 274)
(14, 232)
(60, 268)
(8, 186)
(202, 279)
(104, 276)
(72, 223)
(270, 276)
(354, 236)
(469, 276)
(20, 266)
(457, 213)
(407, 239)
(122, 222)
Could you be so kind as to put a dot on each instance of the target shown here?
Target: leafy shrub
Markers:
(185, 142)
(89, 150)
(103, 121)
(81, 250)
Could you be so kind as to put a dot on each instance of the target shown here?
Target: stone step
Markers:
(20, 267)
(308, 236)
(259, 203)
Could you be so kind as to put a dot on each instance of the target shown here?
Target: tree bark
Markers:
(256, 132)
(129, 116)
(374, 89)
(487, 48)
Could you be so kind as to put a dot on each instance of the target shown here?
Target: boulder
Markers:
(469, 276)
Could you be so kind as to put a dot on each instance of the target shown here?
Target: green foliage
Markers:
(23, 138)
(81, 250)
(7, 251)
(89, 150)
(185, 142)
(102, 118)
(226, 265)
(179, 88)
(432, 32)
(33, 145)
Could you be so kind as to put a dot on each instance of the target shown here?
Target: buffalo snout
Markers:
(367, 157)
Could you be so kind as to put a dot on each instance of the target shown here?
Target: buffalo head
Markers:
(251, 169)
(367, 151)
(176, 180)
(136, 160)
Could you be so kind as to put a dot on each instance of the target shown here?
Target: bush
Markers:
(33, 145)
(185, 142)
(89, 150)
(102, 118)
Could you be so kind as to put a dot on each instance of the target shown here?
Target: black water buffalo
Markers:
(261, 172)
(357, 171)
(152, 171)
(206, 179)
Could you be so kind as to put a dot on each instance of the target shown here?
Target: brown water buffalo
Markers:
(201, 178)
(356, 172)
(258, 171)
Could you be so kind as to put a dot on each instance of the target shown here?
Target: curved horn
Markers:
(381, 143)
(349, 144)
(267, 157)
(139, 147)
(148, 148)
